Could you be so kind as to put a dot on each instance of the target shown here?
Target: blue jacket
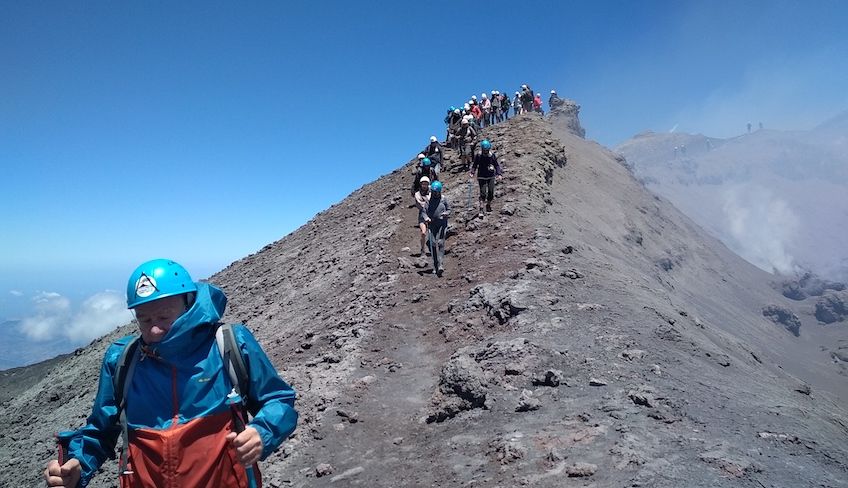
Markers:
(185, 380)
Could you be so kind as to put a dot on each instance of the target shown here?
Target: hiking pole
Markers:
(468, 206)
(238, 427)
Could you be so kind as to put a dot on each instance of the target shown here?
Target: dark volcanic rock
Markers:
(808, 285)
(783, 316)
(832, 307)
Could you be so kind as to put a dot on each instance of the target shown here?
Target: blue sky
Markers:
(202, 131)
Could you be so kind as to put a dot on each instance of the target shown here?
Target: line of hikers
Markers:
(463, 130)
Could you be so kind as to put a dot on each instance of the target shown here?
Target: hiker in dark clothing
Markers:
(526, 99)
(436, 217)
(505, 106)
(454, 121)
(486, 165)
(423, 169)
(434, 152)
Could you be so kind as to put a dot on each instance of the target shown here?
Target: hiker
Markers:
(165, 393)
(526, 99)
(423, 168)
(505, 106)
(517, 105)
(749, 127)
(422, 198)
(488, 169)
(477, 113)
(453, 125)
(467, 139)
(554, 100)
(496, 107)
(436, 217)
(434, 152)
(486, 105)
(537, 104)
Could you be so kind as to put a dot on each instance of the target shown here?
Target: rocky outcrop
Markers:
(808, 285)
(832, 307)
(564, 114)
(783, 316)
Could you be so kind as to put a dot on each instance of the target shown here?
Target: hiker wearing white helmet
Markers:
(422, 198)
(434, 152)
(526, 99)
(516, 104)
(467, 138)
(486, 105)
(496, 107)
(554, 100)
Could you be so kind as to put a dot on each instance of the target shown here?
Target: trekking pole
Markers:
(468, 206)
(238, 427)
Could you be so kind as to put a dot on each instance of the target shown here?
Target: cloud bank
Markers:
(97, 315)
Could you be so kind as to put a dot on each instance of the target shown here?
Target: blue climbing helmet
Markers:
(155, 279)
(486, 144)
(425, 162)
(436, 186)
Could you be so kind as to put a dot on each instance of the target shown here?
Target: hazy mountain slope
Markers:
(775, 197)
(585, 321)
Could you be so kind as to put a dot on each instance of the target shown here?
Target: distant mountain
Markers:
(778, 198)
(17, 349)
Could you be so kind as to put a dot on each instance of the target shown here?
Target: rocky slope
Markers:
(584, 334)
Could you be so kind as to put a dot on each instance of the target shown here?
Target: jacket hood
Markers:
(193, 327)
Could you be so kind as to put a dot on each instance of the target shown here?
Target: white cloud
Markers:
(98, 315)
(16, 293)
(52, 312)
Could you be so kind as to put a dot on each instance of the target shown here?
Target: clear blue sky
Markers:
(202, 131)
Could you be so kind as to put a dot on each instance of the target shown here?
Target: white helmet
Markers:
(424, 179)
(421, 156)
(464, 121)
(433, 139)
(523, 87)
(483, 95)
(456, 111)
(474, 97)
(467, 107)
(517, 93)
(553, 92)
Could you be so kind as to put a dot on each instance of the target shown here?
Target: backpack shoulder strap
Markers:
(121, 382)
(233, 360)
(124, 371)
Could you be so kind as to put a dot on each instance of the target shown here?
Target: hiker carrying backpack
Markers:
(173, 396)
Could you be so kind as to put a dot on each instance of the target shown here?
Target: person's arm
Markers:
(498, 171)
(92, 444)
(447, 208)
(270, 397)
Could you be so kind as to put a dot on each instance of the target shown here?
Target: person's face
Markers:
(156, 318)
(425, 187)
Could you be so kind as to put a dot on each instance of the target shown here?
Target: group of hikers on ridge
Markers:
(179, 395)
(463, 129)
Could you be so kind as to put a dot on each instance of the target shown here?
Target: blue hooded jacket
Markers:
(182, 378)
